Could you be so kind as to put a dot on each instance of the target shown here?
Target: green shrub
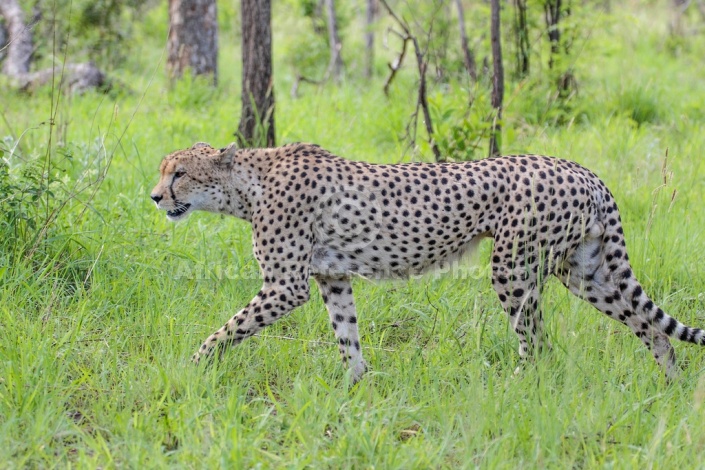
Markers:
(22, 191)
(461, 132)
(42, 201)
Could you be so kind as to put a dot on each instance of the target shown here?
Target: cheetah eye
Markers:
(179, 174)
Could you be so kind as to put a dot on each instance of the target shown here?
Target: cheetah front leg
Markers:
(338, 297)
(272, 302)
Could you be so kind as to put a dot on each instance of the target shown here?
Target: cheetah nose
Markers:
(156, 198)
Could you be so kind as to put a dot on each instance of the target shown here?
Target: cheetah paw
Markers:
(203, 352)
(196, 358)
(358, 370)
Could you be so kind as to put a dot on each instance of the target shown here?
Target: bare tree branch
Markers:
(422, 65)
(396, 65)
(301, 79)
(335, 68)
(77, 77)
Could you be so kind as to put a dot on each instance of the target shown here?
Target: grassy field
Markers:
(96, 331)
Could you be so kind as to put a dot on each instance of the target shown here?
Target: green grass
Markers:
(94, 368)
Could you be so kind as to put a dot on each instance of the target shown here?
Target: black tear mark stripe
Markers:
(171, 189)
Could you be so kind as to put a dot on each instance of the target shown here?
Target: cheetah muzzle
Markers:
(180, 210)
(317, 215)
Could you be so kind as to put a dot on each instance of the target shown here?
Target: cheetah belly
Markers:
(390, 245)
(335, 263)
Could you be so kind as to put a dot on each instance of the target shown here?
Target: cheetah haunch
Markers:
(315, 214)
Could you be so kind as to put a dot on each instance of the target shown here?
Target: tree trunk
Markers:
(468, 57)
(521, 37)
(19, 49)
(317, 19)
(497, 78)
(552, 12)
(74, 77)
(336, 61)
(257, 119)
(677, 26)
(370, 10)
(193, 38)
(3, 41)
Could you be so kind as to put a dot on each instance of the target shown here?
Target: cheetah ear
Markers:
(227, 155)
(198, 145)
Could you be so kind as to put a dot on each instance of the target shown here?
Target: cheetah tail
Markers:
(630, 288)
(643, 305)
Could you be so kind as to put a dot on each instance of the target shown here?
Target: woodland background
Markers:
(102, 301)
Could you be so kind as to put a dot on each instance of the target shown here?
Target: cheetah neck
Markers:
(241, 186)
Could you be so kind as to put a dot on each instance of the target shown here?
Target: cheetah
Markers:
(314, 214)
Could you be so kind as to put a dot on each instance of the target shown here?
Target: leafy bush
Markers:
(22, 191)
(103, 28)
(461, 132)
(42, 200)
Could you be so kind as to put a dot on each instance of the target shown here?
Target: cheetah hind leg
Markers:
(338, 297)
(519, 293)
(587, 275)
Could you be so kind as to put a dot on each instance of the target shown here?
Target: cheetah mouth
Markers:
(180, 210)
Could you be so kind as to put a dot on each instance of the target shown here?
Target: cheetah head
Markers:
(190, 180)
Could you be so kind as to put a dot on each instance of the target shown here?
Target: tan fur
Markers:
(315, 214)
